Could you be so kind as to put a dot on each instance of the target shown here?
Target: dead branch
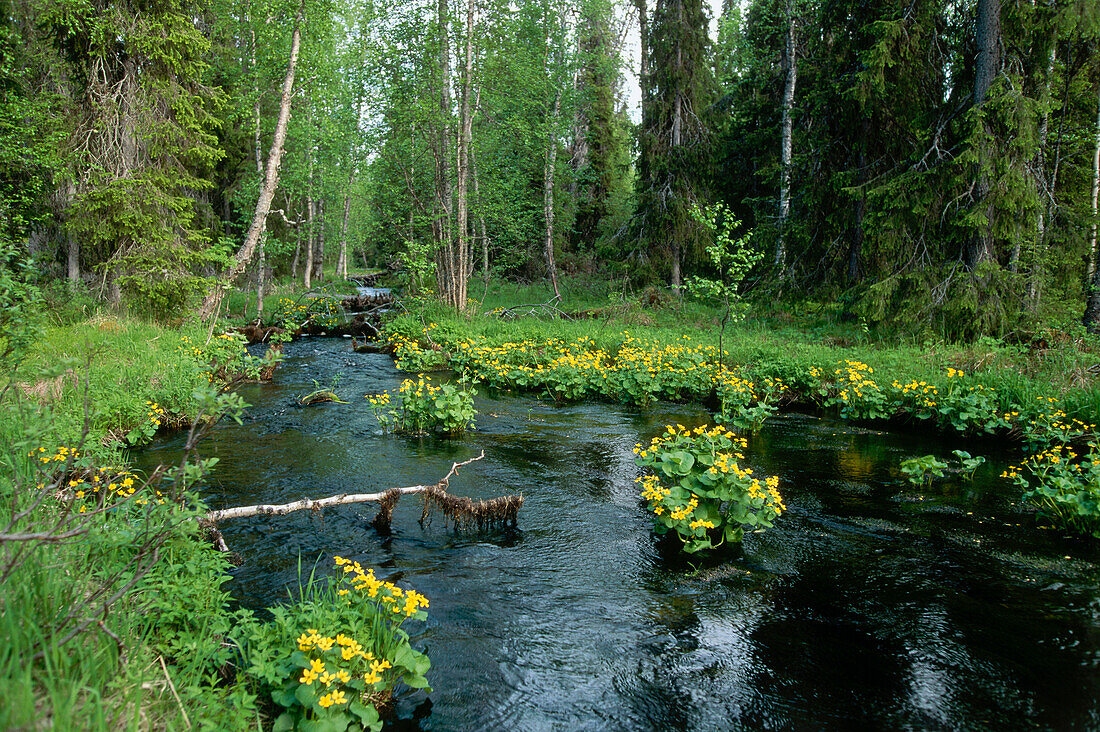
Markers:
(307, 504)
(342, 499)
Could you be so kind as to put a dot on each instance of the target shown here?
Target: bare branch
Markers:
(337, 500)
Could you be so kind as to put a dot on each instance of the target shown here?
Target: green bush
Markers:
(1064, 486)
(423, 407)
(698, 489)
(331, 658)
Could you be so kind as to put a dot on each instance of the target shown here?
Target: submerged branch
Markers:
(307, 504)
(385, 498)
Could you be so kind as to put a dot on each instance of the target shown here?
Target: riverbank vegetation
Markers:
(887, 213)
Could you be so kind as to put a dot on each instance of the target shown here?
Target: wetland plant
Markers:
(698, 488)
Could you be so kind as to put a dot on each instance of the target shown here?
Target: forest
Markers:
(930, 166)
(746, 358)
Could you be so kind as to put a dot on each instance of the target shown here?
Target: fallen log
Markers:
(462, 511)
(307, 504)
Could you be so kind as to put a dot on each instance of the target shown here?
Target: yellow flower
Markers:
(308, 677)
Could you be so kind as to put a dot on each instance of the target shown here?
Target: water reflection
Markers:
(869, 605)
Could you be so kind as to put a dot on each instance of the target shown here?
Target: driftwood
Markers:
(462, 511)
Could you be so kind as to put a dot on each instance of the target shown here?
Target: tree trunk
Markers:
(256, 109)
(321, 239)
(1092, 307)
(987, 64)
(261, 275)
(1035, 275)
(73, 264)
(786, 145)
(445, 256)
(460, 276)
(342, 262)
(307, 280)
(548, 191)
(855, 250)
(645, 84)
(271, 177)
(297, 252)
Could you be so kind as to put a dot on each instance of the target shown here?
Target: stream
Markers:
(871, 604)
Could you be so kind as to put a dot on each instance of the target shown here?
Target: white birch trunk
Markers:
(548, 191)
(786, 145)
(271, 176)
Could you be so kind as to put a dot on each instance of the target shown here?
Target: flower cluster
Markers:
(391, 597)
(87, 489)
(350, 662)
(223, 358)
(638, 370)
(424, 407)
(156, 414)
(1064, 485)
(699, 488)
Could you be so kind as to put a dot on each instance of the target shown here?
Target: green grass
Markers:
(101, 374)
(772, 340)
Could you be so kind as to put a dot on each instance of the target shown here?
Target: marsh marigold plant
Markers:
(699, 488)
(346, 664)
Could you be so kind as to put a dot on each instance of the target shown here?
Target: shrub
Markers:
(1064, 486)
(423, 407)
(333, 657)
(699, 490)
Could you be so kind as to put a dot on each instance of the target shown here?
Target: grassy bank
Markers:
(536, 352)
(1038, 391)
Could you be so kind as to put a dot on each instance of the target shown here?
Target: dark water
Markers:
(869, 605)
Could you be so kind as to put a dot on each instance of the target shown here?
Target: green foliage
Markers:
(746, 405)
(730, 258)
(698, 489)
(336, 653)
(224, 358)
(322, 310)
(423, 407)
(921, 470)
(88, 624)
(418, 275)
(947, 302)
(18, 297)
(968, 464)
(1064, 486)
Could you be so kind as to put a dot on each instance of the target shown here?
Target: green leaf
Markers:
(416, 681)
(305, 695)
(284, 697)
(284, 723)
(368, 715)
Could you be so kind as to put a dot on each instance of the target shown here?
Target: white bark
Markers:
(786, 149)
(548, 191)
(306, 504)
(1095, 191)
(461, 276)
(338, 500)
(271, 176)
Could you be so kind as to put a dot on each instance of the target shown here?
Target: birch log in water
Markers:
(308, 504)
(337, 500)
